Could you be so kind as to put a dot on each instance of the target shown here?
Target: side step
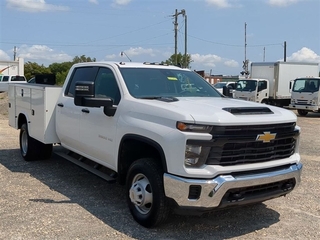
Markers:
(80, 163)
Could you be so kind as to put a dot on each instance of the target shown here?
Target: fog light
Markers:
(191, 161)
(192, 154)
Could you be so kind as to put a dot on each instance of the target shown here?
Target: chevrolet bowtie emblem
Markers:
(266, 137)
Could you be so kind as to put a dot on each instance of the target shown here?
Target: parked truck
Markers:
(5, 80)
(305, 96)
(165, 133)
(271, 82)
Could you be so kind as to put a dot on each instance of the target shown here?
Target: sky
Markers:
(214, 32)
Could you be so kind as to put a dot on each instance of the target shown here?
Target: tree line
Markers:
(61, 69)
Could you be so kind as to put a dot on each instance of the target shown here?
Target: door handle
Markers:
(60, 104)
(85, 110)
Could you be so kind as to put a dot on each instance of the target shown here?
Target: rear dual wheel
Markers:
(32, 149)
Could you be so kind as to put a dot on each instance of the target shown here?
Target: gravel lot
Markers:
(55, 199)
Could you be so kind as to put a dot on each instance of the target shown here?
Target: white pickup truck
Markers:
(174, 147)
(5, 80)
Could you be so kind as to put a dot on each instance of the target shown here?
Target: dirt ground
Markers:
(55, 199)
(3, 105)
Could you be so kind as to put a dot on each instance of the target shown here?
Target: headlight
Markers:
(192, 154)
(187, 127)
(195, 155)
(292, 101)
(314, 101)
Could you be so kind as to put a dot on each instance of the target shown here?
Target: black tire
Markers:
(145, 193)
(302, 112)
(30, 148)
(46, 151)
(265, 101)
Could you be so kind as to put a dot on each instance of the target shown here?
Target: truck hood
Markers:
(215, 111)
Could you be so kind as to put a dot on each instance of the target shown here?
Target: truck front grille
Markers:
(303, 102)
(243, 98)
(232, 145)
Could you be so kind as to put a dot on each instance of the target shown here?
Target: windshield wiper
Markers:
(161, 98)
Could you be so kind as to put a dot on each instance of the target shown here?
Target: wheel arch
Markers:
(133, 147)
(21, 120)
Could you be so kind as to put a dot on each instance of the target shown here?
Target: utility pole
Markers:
(245, 50)
(245, 71)
(264, 54)
(176, 32)
(285, 51)
(14, 53)
(185, 41)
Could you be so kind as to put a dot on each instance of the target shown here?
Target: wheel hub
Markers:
(140, 194)
(137, 194)
(24, 142)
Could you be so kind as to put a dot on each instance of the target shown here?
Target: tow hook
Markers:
(235, 197)
(287, 186)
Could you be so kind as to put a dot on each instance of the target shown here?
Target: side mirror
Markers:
(290, 85)
(225, 90)
(85, 96)
(83, 91)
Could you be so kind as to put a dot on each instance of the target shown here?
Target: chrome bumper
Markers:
(313, 108)
(213, 190)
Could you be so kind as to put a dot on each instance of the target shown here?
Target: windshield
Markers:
(157, 82)
(306, 85)
(246, 85)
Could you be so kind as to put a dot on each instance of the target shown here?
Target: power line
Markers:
(234, 45)
(85, 45)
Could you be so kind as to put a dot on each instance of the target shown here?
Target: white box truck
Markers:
(305, 96)
(271, 82)
(164, 132)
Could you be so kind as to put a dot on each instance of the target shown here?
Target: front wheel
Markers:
(145, 193)
(302, 112)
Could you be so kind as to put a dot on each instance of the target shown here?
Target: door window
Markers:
(80, 74)
(106, 85)
(262, 85)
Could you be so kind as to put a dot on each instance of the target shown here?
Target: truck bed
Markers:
(38, 103)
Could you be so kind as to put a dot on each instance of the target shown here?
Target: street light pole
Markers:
(123, 53)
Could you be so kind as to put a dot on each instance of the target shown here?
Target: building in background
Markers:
(12, 67)
(213, 79)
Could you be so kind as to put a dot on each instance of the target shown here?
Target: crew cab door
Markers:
(68, 115)
(97, 130)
